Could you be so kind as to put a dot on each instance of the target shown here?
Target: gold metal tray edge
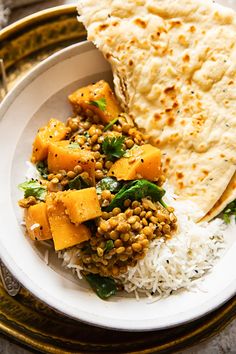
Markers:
(35, 18)
(28, 334)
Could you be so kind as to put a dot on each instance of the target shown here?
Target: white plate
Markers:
(41, 95)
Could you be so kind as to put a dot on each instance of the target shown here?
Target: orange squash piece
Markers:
(62, 157)
(81, 205)
(86, 96)
(53, 131)
(36, 221)
(65, 234)
(143, 162)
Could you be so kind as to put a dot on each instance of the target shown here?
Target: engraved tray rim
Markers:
(12, 327)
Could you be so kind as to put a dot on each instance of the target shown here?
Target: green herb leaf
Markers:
(104, 287)
(113, 147)
(101, 103)
(43, 169)
(86, 134)
(108, 183)
(109, 125)
(73, 145)
(78, 183)
(136, 190)
(228, 211)
(33, 188)
(109, 246)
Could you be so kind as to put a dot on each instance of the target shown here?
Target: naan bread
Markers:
(227, 197)
(174, 66)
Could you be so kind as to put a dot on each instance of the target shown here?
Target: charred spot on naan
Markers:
(179, 175)
(141, 23)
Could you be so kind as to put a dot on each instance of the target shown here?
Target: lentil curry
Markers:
(99, 188)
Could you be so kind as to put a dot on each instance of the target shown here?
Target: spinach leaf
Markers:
(136, 190)
(104, 287)
(228, 211)
(100, 103)
(78, 183)
(109, 125)
(109, 246)
(33, 188)
(43, 169)
(113, 147)
(108, 183)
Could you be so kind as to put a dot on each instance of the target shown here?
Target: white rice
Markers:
(70, 260)
(175, 263)
(170, 264)
(34, 226)
(31, 172)
(46, 257)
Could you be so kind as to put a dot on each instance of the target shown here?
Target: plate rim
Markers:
(39, 68)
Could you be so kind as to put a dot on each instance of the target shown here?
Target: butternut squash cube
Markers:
(82, 205)
(63, 157)
(36, 221)
(53, 131)
(97, 97)
(65, 234)
(143, 162)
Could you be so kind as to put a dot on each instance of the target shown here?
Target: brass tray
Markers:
(24, 318)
